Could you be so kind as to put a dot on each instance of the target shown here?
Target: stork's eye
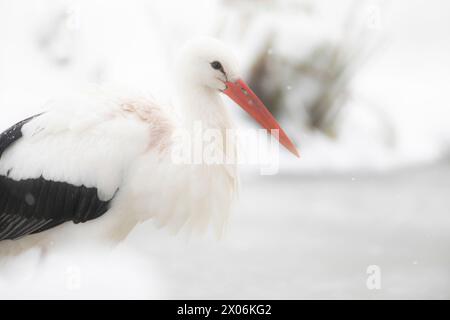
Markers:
(216, 65)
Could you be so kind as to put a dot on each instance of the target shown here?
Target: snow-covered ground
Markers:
(315, 236)
(290, 237)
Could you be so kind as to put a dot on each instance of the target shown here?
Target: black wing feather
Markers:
(34, 205)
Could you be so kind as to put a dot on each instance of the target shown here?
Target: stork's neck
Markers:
(205, 105)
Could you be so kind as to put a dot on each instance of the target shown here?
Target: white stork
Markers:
(106, 162)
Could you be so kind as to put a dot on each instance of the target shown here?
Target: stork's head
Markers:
(208, 63)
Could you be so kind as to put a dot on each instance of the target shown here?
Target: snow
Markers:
(87, 272)
(290, 237)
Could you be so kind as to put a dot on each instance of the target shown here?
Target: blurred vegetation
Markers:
(314, 87)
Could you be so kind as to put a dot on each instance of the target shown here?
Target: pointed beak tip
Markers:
(292, 149)
(240, 93)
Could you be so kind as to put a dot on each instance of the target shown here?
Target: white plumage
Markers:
(122, 148)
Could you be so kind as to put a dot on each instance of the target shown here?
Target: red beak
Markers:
(240, 93)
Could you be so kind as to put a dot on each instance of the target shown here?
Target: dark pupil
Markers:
(216, 65)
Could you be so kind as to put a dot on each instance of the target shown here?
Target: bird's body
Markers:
(107, 163)
(94, 159)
